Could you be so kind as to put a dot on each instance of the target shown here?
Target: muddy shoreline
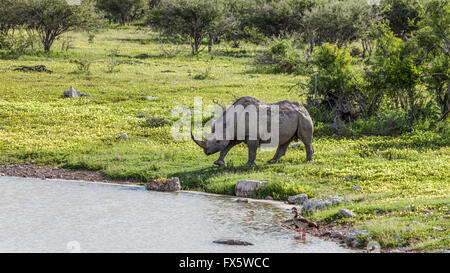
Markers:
(29, 170)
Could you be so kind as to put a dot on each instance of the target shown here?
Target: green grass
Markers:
(411, 170)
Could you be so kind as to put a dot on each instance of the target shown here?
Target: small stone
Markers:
(242, 200)
(2, 128)
(349, 177)
(42, 177)
(428, 212)
(152, 98)
(346, 213)
(72, 93)
(269, 197)
(336, 235)
(245, 188)
(298, 199)
(336, 200)
(141, 116)
(232, 242)
(350, 237)
(165, 185)
(357, 188)
(355, 243)
(439, 229)
(124, 136)
(314, 204)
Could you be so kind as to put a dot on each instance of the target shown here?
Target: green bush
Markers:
(281, 57)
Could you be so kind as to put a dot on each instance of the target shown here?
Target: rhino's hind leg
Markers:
(223, 154)
(305, 133)
(309, 152)
(252, 148)
(281, 151)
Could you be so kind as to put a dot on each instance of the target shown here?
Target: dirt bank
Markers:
(45, 172)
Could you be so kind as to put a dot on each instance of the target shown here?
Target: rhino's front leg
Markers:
(223, 154)
(281, 151)
(252, 148)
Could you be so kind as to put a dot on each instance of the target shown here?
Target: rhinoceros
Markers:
(294, 123)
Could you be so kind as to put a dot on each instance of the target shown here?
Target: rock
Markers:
(336, 235)
(242, 200)
(298, 199)
(357, 188)
(152, 98)
(349, 177)
(427, 212)
(72, 93)
(269, 197)
(336, 200)
(315, 204)
(124, 136)
(141, 116)
(245, 188)
(355, 243)
(350, 237)
(232, 242)
(2, 128)
(346, 213)
(440, 229)
(167, 185)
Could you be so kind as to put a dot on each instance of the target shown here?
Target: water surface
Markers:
(62, 216)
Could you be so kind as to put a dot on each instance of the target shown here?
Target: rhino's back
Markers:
(285, 106)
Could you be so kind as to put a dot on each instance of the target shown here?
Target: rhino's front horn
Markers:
(202, 144)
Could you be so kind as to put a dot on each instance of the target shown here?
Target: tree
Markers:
(403, 16)
(335, 78)
(123, 11)
(11, 15)
(51, 18)
(393, 71)
(337, 22)
(193, 19)
(433, 46)
(275, 17)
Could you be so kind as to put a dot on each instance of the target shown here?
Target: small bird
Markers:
(302, 223)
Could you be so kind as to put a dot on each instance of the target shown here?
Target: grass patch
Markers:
(39, 124)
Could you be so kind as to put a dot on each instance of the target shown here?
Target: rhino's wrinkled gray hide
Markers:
(293, 121)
